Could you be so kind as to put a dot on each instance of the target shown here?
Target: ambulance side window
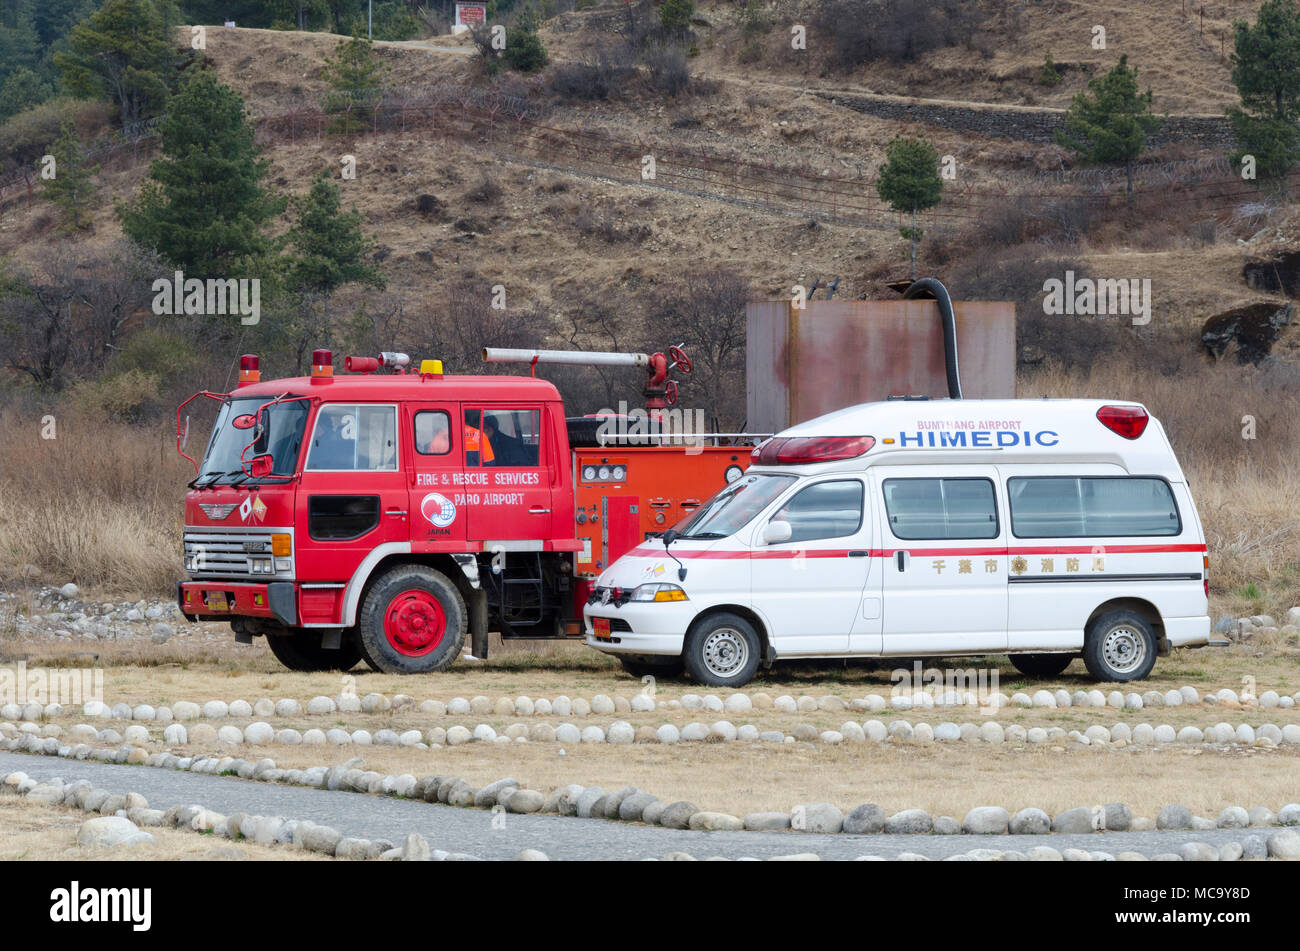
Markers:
(1091, 507)
(824, 510)
(936, 509)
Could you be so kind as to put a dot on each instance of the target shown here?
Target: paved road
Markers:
(470, 830)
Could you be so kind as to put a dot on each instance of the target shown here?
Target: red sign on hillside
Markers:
(471, 14)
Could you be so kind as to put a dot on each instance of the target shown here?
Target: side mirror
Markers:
(777, 531)
(261, 466)
(669, 537)
(185, 434)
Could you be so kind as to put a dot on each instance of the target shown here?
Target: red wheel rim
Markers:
(414, 623)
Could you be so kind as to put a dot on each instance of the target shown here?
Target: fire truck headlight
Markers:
(658, 592)
(284, 564)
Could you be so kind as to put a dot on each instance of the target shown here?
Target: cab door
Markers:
(509, 464)
(809, 588)
(438, 515)
(943, 540)
(352, 500)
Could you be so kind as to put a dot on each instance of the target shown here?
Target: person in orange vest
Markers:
(477, 444)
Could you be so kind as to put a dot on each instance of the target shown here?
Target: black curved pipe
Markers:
(949, 328)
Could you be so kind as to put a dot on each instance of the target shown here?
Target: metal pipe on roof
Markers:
(589, 358)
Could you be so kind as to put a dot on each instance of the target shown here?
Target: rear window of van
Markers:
(1091, 507)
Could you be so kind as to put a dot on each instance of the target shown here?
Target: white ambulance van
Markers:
(1042, 529)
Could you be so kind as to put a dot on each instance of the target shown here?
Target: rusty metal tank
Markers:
(804, 362)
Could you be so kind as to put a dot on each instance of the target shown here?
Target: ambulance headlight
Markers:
(658, 592)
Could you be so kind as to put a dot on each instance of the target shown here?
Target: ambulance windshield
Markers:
(281, 439)
(734, 507)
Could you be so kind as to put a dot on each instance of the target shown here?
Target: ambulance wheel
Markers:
(653, 666)
(1041, 665)
(722, 650)
(1119, 646)
(303, 652)
(412, 621)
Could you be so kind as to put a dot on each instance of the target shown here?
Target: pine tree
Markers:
(21, 90)
(909, 181)
(330, 247)
(1110, 123)
(205, 206)
(357, 80)
(72, 188)
(1266, 71)
(124, 52)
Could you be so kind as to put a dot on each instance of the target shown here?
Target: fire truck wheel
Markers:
(722, 650)
(304, 652)
(1119, 646)
(413, 621)
(653, 666)
(1041, 665)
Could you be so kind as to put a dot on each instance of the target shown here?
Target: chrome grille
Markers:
(225, 554)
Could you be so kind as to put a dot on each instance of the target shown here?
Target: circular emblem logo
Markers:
(438, 509)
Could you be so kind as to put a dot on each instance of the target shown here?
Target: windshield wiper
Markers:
(203, 481)
(704, 535)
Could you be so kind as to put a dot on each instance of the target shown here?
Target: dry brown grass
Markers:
(38, 833)
(100, 504)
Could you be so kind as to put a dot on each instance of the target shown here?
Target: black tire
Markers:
(399, 598)
(1119, 646)
(722, 650)
(653, 666)
(1041, 665)
(303, 652)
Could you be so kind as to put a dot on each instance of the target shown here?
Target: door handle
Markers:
(401, 512)
(535, 510)
(902, 558)
(857, 554)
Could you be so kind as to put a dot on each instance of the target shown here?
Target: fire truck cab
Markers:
(386, 516)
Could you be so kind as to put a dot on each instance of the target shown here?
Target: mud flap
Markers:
(476, 601)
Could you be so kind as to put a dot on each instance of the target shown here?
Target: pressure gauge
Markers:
(733, 473)
(619, 473)
(603, 474)
(589, 474)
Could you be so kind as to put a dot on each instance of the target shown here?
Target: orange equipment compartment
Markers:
(664, 481)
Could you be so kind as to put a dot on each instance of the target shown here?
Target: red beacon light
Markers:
(249, 371)
(1127, 421)
(801, 450)
(322, 366)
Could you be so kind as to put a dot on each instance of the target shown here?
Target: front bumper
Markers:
(640, 628)
(204, 600)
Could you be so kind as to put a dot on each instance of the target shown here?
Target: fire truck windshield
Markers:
(734, 506)
(281, 439)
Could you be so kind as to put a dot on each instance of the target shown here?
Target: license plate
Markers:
(600, 627)
(217, 602)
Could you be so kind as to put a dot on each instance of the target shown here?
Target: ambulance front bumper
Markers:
(1187, 631)
(640, 628)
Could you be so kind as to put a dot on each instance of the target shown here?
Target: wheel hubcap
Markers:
(725, 652)
(414, 623)
(1123, 649)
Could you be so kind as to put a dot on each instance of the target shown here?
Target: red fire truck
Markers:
(384, 514)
